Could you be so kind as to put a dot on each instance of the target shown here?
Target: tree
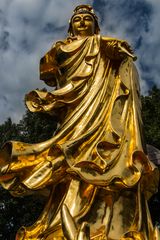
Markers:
(36, 127)
(15, 212)
(151, 117)
(151, 120)
(8, 131)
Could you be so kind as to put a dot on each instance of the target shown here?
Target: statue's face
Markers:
(83, 25)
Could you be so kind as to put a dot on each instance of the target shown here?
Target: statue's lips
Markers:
(82, 28)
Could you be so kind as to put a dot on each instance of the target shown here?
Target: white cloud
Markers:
(23, 41)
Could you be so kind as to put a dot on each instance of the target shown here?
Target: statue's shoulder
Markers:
(59, 43)
(110, 39)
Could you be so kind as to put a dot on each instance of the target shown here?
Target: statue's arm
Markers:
(117, 49)
(49, 68)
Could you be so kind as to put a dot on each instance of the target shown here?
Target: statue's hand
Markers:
(125, 49)
(125, 45)
(118, 49)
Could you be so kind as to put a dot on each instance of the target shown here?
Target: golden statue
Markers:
(95, 167)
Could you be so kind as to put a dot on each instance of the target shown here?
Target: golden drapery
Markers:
(96, 161)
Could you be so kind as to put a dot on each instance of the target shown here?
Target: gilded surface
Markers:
(95, 167)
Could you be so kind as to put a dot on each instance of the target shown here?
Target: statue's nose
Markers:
(82, 23)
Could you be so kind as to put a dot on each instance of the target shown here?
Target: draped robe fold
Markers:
(98, 147)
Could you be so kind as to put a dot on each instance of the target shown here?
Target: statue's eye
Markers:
(88, 18)
(76, 19)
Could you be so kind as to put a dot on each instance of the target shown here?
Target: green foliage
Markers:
(33, 128)
(151, 117)
(36, 127)
(154, 205)
(151, 120)
(8, 131)
(17, 212)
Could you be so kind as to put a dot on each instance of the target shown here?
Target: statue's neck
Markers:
(79, 37)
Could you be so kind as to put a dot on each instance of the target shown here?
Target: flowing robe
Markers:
(96, 162)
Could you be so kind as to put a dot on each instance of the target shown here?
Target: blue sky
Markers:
(28, 28)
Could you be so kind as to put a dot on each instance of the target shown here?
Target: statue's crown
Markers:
(84, 9)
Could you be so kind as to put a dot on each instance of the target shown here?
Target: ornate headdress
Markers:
(84, 9)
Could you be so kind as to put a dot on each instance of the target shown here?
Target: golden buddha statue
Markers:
(95, 167)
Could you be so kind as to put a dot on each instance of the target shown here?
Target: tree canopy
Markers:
(151, 116)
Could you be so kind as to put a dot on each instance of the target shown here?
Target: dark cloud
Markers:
(135, 21)
(129, 16)
(4, 40)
